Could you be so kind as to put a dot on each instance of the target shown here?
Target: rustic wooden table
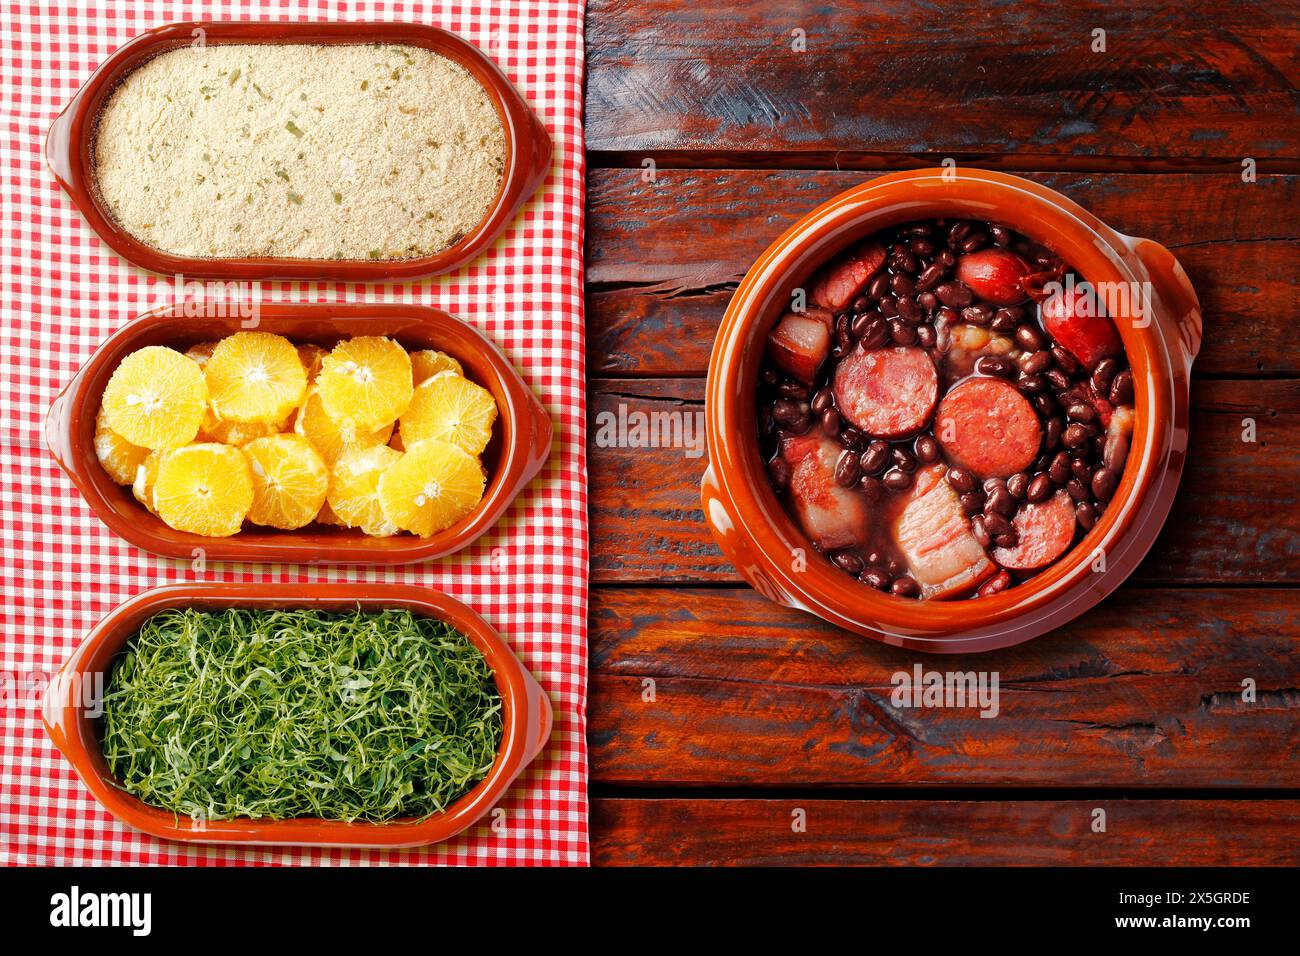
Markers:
(759, 712)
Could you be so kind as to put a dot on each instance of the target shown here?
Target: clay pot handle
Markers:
(1181, 318)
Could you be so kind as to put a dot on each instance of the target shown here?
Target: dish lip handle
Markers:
(1180, 319)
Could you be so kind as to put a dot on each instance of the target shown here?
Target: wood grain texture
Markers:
(1201, 83)
(1143, 691)
(664, 258)
(1235, 518)
(739, 832)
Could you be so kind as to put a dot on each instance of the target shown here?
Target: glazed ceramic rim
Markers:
(1059, 593)
(523, 424)
(526, 713)
(70, 141)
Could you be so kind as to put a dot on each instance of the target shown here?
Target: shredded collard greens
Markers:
(278, 714)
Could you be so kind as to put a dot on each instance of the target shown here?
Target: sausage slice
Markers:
(986, 425)
(1045, 531)
(887, 393)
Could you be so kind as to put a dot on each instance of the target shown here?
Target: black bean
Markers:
(1085, 514)
(1103, 375)
(947, 257)
(945, 316)
(979, 314)
(905, 587)
(921, 246)
(823, 400)
(901, 333)
(1044, 404)
(993, 484)
(876, 333)
(927, 449)
(1075, 487)
(996, 524)
(861, 322)
(1057, 379)
(1041, 488)
(1081, 412)
(997, 365)
(1080, 468)
(927, 301)
(980, 532)
(1008, 540)
(888, 306)
(785, 411)
(861, 304)
(1018, 485)
(1052, 432)
(875, 458)
(876, 578)
(972, 502)
(1001, 235)
(796, 390)
(848, 561)
(1004, 320)
(908, 310)
(1121, 390)
(878, 286)
(1065, 361)
(931, 276)
(1002, 502)
(974, 243)
(903, 459)
(1035, 363)
(958, 231)
(954, 294)
(961, 480)
(830, 422)
(926, 337)
(778, 469)
(901, 284)
(1030, 338)
(1104, 482)
(1076, 436)
(1059, 470)
(897, 480)
(1031, 384)
(851, 437)
(871, 487)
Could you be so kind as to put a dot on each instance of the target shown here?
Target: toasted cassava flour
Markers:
(301, 151)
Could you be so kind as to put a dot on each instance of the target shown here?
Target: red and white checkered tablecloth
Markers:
(63, 292)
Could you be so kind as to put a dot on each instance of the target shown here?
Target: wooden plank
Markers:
(1143, 691)
(664, 258)
(1201, 83)
(1235, 518)
(740, 832)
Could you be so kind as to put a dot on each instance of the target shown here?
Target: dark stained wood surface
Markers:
(1236, 518)
(663, 258)
(707, 136)
(758, 832)
(1143, 691)
(1195, 84)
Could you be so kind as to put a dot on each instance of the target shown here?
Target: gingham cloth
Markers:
(64, 292)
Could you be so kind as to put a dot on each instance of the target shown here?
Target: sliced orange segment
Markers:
(453, 409)
(432, 486)
(366, 380)
(200, 352)
(146, 476)
(427, 363)
(311, 357)
(234, 433)
(117, 455)
(155, 398)
(206, 489)
(255, 377)
(332, 438)
(289, 481)
(354, 489)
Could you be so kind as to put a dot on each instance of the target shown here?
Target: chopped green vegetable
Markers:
(292, 127)
(338, 197)
(278, 714)
(234, 76)
(282, 174)
(295, 198)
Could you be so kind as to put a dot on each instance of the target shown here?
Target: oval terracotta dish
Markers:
(525, 707)
(520, 443)
(763, 542)
(69, 149)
